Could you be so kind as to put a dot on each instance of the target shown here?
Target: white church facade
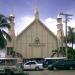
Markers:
(35, 41)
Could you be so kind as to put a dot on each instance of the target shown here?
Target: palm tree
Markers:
(3, 34)
(71, 35)
(71, 38)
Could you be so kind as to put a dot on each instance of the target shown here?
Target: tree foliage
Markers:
(71, 35)
(3, 34)
(62, 52)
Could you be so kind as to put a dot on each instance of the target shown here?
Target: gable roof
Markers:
(41, 24)
(48, 29)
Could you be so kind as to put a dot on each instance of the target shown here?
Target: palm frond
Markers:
(2, 40)
(7, 35)
(4, 21)
(2, 25)
(2, 18)
(4, 35)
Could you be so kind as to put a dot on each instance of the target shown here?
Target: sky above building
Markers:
(23, 11)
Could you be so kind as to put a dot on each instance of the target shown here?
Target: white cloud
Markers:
(72, 23)
(51, 24)
(22, 23)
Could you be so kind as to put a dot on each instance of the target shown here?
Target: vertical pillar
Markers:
(10, 44)
(60, 34)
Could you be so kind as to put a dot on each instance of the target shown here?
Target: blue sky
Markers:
(48, 9)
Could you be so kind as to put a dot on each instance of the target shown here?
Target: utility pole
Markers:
(66, 20)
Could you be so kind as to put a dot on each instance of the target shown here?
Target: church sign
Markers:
(37, 43)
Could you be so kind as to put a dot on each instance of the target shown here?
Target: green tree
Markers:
(71, 35)
(3, 34)
(71, 38)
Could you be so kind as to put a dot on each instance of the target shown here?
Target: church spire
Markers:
(12, 13)
(36, 11)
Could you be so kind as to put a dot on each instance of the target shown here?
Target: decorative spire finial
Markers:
(59, 16)
(36, 11)
(11, 16)
(12, 13)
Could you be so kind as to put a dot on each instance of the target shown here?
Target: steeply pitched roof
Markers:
(41, 24)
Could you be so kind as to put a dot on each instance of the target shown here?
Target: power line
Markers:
(66, 20)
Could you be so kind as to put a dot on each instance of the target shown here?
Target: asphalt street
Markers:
(47, 72)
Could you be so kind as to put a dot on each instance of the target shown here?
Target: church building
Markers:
(35, 41)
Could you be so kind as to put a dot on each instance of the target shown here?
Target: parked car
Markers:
(51, 60)
(10, 66)
(33, 65)
(63, 64)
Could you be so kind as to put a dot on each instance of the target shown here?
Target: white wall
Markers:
(2, 53)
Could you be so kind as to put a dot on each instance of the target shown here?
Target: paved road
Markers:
(46, 72)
